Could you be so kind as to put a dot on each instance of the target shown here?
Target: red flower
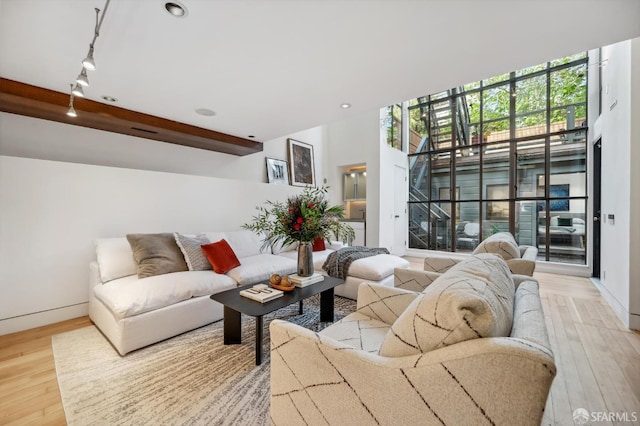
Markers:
(300, 220)
(296, 226)
(310, 205)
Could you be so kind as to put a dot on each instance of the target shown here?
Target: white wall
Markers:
(53, 211)
(619, 129)
(352, 142)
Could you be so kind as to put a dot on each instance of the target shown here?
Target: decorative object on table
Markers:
(261, 293)
(284, 284)
(301, 163)
(277, 171)
(302, 218)
(299, 281)
(338, 262)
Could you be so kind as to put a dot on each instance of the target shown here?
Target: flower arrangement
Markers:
(302, 218)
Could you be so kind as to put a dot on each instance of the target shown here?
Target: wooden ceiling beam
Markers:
(32, 101)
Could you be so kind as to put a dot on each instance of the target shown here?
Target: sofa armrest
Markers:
(521, 266)
(315, 377)
(439, 264)
(528, 253)
(519, 279)
(383, 303)
(411, 279)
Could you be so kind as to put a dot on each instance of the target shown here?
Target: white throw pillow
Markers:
(473, 299)
(115, 258)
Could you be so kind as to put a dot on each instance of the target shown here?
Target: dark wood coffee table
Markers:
(234, 305)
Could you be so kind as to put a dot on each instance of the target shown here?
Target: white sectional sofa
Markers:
(135, 312)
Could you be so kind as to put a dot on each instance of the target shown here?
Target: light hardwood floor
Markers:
(598, 360)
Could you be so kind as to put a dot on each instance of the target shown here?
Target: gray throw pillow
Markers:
(191, 248)
(156, 254)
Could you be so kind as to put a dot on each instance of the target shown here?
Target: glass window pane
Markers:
(497, 218)
(495, 102)
(468, 173)
(418, 140)
(418, 226)
(418, 173)
(526, 222)
(568, 86)
(440, 174)
(429, 226)
(441, 124)
(531, 70)
(566, 239)
(468, 226)
(530, 166)
(568, 59)
(496, 130)
(496, 79)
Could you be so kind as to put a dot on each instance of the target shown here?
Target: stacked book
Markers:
(299, 281)
(261, 294)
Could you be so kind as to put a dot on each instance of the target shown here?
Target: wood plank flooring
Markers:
(598, 360)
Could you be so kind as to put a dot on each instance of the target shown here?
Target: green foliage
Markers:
(303, 217)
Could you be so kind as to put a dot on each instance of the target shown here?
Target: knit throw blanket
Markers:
(338, 262)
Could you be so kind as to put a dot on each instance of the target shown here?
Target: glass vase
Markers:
(305, 259)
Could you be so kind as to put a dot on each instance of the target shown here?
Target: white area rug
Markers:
(189, 379)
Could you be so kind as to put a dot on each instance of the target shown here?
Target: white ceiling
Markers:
(271, 68)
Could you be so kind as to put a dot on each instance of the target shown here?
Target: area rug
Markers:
(191, 379)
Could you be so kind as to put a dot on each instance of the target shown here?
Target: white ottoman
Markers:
(376, 269)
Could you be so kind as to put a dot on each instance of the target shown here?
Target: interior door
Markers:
(400, 211)
(597, 164)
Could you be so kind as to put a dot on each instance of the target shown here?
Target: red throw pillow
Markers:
(221, 256)
(318, 244)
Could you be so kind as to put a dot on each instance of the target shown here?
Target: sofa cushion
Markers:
(279, 248)
(260, 267)
(501, 243)
(129, 296)
(156, 254)
(473, 299)
(192, 251)
(376, 268)
(221, 256)
(358, 330)
(115, 258)
(245, 243)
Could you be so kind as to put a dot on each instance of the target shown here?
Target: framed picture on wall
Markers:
(277, 171)
(301, 163)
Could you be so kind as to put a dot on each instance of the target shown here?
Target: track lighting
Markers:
(82, 79)
(88, 63)
(77, 91)
(71, 112)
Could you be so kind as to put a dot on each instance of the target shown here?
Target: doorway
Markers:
(597, 215)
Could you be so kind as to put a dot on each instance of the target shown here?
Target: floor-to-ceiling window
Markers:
(503, 154)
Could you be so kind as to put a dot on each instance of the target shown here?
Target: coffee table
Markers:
(234, 305)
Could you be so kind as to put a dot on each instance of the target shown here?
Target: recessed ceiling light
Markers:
(206, 112)
(176, 9)
(109, 98)
(251, 136)
(345, 105)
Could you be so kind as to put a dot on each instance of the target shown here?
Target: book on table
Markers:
(261, 295)
(299, 281)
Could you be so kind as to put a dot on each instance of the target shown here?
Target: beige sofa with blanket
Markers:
(472, 348)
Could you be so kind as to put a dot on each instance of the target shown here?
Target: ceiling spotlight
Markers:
(71, 112)
(345, 105)
(82, 79)
(109, 98)
(88, 62)
(77, 91)
(176, 9)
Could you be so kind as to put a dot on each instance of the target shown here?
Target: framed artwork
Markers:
(301, 163)
(277, 171)
(557, 191)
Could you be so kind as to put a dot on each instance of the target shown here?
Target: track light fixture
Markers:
(77, 91)
(88, 63)
(71, 112)
(82, 79)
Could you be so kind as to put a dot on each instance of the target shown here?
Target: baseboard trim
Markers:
(616, 306)
(38, 319)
